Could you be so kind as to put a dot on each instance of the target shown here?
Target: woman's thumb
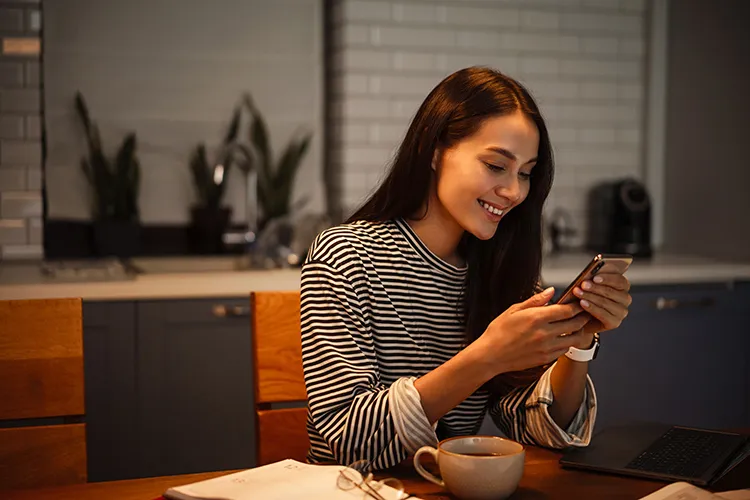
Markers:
(539, 299)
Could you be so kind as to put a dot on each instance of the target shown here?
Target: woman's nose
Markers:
(510, 189)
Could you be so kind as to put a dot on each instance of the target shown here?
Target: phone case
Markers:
(601, 263)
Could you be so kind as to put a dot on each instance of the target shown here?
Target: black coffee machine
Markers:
(620, 218)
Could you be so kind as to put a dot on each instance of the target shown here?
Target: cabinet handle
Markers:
(663, 303)
(224, 311)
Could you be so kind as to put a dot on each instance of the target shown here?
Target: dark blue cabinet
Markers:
(169, 382)
(681, 357)
(109, 356)
(195, 392)
(743, 299)
(168, 387)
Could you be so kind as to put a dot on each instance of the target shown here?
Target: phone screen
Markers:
(602, 263)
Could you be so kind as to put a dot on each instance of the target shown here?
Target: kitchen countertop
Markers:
(194, 277)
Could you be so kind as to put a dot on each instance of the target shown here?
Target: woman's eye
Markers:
(494, 168)
(525, 175)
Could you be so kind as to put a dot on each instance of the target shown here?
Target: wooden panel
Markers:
(277, 347)
(42, 456)
(282, 434)
(41, 358)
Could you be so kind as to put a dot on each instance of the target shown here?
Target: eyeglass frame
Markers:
(365, 483)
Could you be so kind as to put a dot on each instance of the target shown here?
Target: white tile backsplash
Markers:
(21, 204)
(582, 59)
(13, 232)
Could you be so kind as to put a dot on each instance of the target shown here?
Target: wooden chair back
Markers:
(41, 390)
(280, 395)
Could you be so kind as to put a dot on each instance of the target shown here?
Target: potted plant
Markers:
(209, 218)
(115, 184)
(275, 181)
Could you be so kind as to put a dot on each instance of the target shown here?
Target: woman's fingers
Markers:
(567, 326)
(588, 288)
(616, 306)
(613, 280)
(609, 313)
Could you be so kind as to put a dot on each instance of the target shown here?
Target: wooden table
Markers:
(543, 479)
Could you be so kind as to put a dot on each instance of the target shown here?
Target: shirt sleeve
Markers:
(523, 415)
(358, 416)
(411, 422)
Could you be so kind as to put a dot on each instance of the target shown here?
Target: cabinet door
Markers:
(743, 301)
(196, 402)
(680, 357)
(112, 436)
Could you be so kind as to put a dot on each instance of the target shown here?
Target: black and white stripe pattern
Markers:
(378, 310)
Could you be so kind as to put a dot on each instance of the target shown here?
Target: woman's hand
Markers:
(532, 334)
(606, 300)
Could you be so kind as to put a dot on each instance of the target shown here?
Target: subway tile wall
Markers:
(20, 136)
(583, 60)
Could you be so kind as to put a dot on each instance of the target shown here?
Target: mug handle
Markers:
(422, 471)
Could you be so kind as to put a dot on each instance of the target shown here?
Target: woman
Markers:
(419, 313)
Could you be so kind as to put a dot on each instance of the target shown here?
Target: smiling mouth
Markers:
(489, 208)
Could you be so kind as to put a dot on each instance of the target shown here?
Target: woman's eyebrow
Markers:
(508, 154)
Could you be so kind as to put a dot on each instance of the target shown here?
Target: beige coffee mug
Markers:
(476, 467)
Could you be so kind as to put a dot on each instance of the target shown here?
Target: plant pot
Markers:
(207, 229)
(117, 238)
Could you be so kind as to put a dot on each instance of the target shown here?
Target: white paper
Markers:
(285, 480)
(686, 491)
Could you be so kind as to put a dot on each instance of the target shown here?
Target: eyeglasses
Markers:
(359, 475)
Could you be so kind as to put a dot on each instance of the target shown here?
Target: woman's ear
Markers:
(436, 159)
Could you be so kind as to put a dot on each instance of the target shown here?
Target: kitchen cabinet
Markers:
(169, 387)
(743, 297)
(109, 360)
(179, 397)
(681, 357)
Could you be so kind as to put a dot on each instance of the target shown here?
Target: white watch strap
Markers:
(583, 354)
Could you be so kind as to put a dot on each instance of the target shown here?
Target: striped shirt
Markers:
(378, 311)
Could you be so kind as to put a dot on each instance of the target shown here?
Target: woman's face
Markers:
(483, 177)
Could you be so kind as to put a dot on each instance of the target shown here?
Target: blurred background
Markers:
(218, 119)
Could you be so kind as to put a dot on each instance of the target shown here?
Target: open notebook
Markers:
(686, 491)
(285, 480)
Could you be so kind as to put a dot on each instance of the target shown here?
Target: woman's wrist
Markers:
(475, 356)
(585, 342)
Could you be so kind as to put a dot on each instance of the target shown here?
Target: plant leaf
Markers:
(83, 112)
(86, 168)
(259, 140)
(284, 181)
(200, 170)
(125, 177)
(234, 126)
(290, 161)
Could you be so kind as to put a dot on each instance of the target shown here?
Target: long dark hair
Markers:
(506, 268)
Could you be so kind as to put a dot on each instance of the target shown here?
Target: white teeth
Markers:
(491, 209)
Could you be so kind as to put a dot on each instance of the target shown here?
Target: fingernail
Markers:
(586, 285)
(577, 291)
(585, 303)
(598, 279)
(549, 290)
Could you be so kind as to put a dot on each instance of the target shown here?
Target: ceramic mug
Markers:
(476, 467)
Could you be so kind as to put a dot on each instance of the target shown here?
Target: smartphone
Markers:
(607, 263)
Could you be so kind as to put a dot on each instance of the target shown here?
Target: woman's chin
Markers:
(484, 230)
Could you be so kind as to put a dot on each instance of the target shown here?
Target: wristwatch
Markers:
(584, 354)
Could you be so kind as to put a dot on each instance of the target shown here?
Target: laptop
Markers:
(661, 451)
